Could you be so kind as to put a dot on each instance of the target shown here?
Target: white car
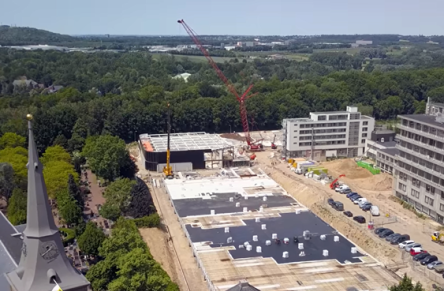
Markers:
(360, 200)
(342, 187)
(406, 244)
(415, 245)
(432, 265)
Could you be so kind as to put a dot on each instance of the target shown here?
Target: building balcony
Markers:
(420, 132)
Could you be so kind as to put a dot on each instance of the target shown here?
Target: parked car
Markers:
(415, 245)
(345, 191)
(354, 198)
(359, 219)
(374, 210)
(421, 256)
(392, 236)
(400, 239)
(386, 233)
(428, 260)
(330, 201)
(367, 207)
(342, 187)
(338, 206)
(351, 194)
(439, 268)
(348, 213)
(405, 244)
(363, 202)
(380, 229)
(434, 264)
(360, 200)
(415, 251)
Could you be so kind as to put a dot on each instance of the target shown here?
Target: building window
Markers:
(403, 176)
(416, 182)
(441, 207)
(430, 189)
(365, 123)
(362, 140)
(364, 129)
(415, 193)
(428, 201)
(296, 130)
(402, 187)
(364, 135)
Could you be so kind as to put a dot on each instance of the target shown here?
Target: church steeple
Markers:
(43, 261)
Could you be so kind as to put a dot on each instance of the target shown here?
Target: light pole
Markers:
(230, 127)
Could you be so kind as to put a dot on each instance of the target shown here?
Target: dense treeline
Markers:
(126, 94)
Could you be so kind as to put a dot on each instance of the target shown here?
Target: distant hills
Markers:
(27, 35)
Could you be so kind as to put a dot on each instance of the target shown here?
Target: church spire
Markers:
(43, 263)
(40, 222)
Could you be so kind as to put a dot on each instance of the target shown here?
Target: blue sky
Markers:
(242, 17)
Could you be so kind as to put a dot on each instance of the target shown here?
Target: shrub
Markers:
(152, 220)
(68, 236)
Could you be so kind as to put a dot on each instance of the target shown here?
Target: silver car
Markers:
(432, 265)
(409, 247)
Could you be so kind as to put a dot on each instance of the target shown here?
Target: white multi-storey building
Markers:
(327, 134)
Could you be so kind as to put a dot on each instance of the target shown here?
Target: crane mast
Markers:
(241, 99)
(167, 169)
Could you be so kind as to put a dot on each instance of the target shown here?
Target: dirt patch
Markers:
(156, 239)
(380, 182)
(346, 167)
(234, 136)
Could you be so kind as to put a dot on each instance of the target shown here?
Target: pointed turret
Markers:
(43, 262)
(39, 218)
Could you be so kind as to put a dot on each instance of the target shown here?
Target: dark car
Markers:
(392, 236)
(338, 206)
(367, 207)
(400, 239)
(386, 233)
(351, 194)
(355, 197)
(421, 256)
(428, 260)
(380, 229)
(359, 219)
(330, 201)
(348, 213)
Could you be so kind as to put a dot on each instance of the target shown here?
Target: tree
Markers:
(141, 203)
(56, 175)
(17, 207)
(68, 209)
(107, 156)
(91, 239)
(6, 181)
(11, 140)
(118, 193)
(18, 158)
(74, 191)
(407, 285)
(111, 212)
(55, 154)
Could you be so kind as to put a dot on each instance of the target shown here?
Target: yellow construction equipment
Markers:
(167, 169)
(438, 237)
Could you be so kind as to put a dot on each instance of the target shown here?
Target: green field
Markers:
(350, 51)
(197, 58)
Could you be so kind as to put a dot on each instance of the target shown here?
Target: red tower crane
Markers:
(253, 145)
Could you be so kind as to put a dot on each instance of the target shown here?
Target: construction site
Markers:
(235, 211)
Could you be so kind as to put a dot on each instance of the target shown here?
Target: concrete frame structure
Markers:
(189, 151)
(327, 134)
(434, 108)
(212, 209)
(381, 147)
(419, 175)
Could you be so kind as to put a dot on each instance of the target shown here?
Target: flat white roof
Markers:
(185, 141)
(199, 188)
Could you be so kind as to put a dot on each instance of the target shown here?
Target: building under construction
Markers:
(189, 151)
(241, 225)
